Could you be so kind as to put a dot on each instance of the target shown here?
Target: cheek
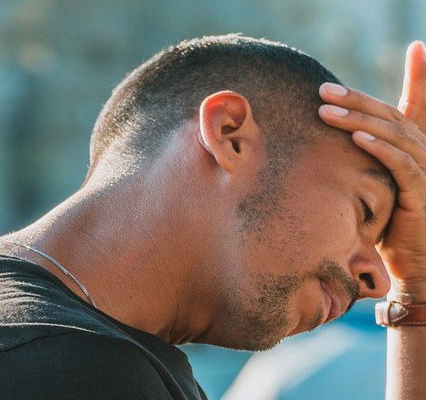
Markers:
(331, 220)
(306, 230)
(326, 226)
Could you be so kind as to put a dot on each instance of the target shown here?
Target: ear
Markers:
(227, 129)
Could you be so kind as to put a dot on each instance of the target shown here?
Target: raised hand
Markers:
(400, 145)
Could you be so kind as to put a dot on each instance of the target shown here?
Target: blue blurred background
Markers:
(59, 61)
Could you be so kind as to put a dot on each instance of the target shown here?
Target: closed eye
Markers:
(369, 217)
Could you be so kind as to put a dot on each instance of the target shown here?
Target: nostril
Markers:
(236, 146)
(368, 280)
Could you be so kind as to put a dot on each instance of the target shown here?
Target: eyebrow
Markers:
(385, 178)
(381, 176)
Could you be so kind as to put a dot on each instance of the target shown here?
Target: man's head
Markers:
(269, 200)
(280, 83)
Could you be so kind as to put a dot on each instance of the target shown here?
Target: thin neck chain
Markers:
(62, 268)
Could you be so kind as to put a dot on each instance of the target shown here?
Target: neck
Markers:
(134, 260)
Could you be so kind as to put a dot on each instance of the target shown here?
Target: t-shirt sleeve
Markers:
(79, 366)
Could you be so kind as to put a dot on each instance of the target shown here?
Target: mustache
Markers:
(276, 289)
(331, 272)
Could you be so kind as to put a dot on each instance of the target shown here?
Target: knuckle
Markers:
(413, 170)
(416, 173)
(413, 141)
(406, 161)
(360, 118)
(396, 115)
(420, 145)
(398, 131)
(413, 126)
(402, 134)
(416, 143)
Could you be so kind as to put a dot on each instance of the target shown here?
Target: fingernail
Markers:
(335, 89)
(335, 110)
(364, 135)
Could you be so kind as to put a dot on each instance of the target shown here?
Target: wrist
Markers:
(408, 292)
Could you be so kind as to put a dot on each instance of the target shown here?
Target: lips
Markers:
(333, 302)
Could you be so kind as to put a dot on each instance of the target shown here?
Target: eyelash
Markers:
(369, 217)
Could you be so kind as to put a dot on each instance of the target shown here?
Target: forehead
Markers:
(339, 162)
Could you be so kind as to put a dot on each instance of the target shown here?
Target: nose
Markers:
(371, 275)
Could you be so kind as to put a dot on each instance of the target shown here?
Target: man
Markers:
(218, 208)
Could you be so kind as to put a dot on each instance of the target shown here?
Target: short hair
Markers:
(280, 83)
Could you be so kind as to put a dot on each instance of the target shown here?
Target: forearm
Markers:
(406, 363)
(406, 350)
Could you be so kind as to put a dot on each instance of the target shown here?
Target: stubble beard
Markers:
(262, 316)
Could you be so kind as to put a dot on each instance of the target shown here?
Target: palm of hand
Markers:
(404, 247)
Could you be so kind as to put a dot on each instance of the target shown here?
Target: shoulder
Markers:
(79, 365)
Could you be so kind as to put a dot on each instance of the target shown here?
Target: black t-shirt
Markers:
(53, 345)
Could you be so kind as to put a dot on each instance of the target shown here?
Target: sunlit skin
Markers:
(162, 249)
(178, 266)
(398, 140)
(321, 219)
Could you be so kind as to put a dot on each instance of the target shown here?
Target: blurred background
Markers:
(59, 61)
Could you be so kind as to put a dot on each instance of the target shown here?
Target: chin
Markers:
(256, 342)
(247, 340)
(268, 343)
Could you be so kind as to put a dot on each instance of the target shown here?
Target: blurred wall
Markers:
(59, 61)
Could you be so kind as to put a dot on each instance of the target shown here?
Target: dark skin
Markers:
(178, 266)
(397, 139)
(161, 248)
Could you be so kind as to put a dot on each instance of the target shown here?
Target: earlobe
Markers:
(226, 125)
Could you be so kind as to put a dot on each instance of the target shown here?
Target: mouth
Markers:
(333, 304)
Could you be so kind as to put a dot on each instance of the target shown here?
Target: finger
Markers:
(359, 101)
(407, 174)
(413, 97)
(413, 86)
(409, 140)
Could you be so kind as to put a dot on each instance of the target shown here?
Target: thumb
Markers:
(413, 97)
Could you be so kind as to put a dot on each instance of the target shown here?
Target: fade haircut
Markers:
(280, 83)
